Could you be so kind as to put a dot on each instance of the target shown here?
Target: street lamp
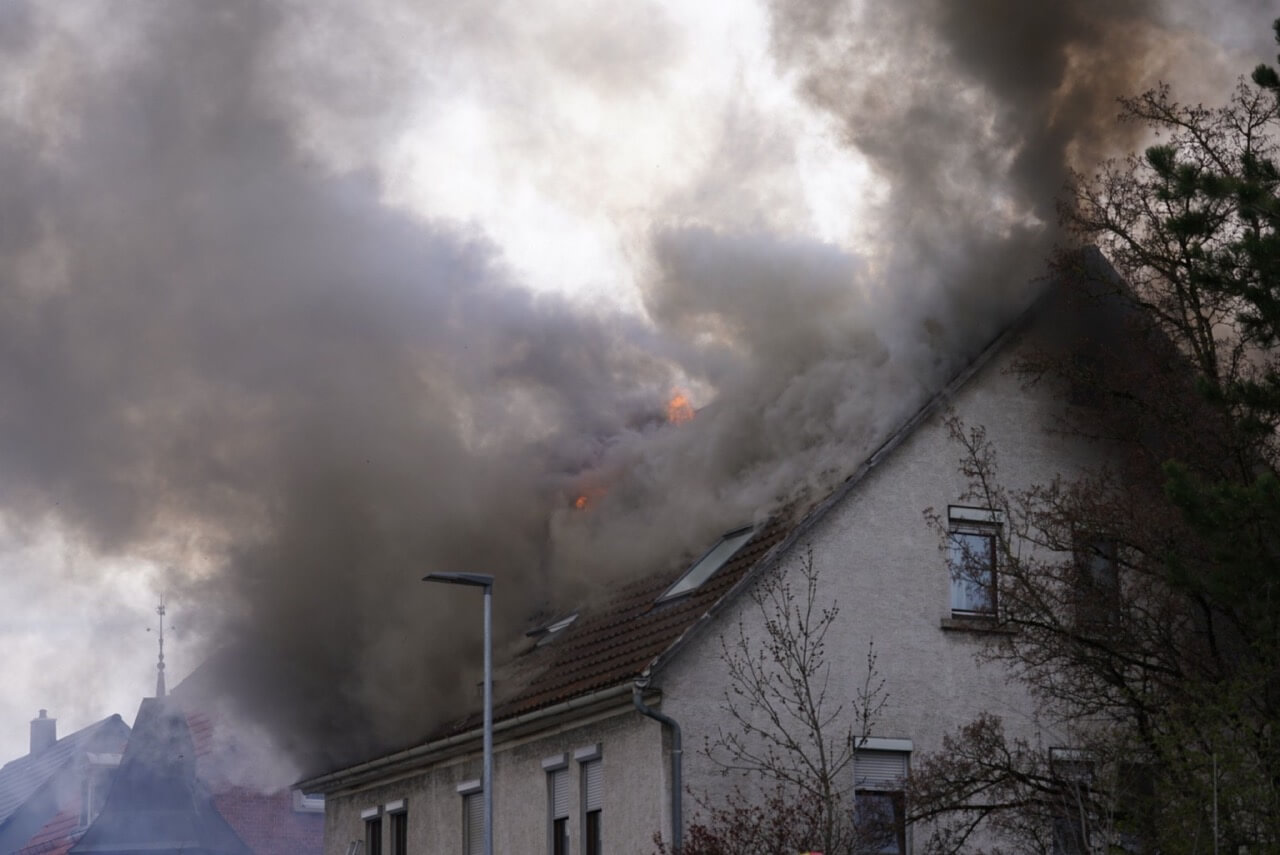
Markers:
(481, 580)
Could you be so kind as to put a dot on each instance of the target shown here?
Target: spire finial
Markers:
(160, 664)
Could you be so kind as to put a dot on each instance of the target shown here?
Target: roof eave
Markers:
(457, 743)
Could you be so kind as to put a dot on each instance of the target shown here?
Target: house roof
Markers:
(268, 822)
(22, 778)
(55, 837)
(156, 801)
(632, 635)
(629, 636)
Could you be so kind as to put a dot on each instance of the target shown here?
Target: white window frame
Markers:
(553, 766)
(588, 758)
(372, 817)
(879, 749)
(470, 790)
(979, 522)
(399, 807)
(700, 572)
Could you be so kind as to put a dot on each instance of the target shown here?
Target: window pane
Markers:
(473, 823)
(399, 833)
(881, 822)
(560, 837)
(593, 843)
(1097, 584)
(707, 566)
(971, 560)
(373, 836)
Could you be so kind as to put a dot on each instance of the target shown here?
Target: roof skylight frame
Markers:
(705, 568)
(546, 633)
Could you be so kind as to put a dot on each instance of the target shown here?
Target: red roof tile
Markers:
(613, 642)
(57, 835)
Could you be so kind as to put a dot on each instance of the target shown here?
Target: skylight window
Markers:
(706, 566)
(546, 633)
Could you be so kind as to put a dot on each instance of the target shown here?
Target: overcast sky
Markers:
(547, 218)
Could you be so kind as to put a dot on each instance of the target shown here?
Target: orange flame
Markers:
(679, 409)
(580, 502)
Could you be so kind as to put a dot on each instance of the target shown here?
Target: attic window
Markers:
(546, 633)
(308, 802)
(707, 566)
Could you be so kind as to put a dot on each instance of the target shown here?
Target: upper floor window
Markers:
(473, 823)
(972, 541)
(706, 566)
(592, 799)
(373, 836)
(1097, 582)
(399, 830)
(558, 809)
(879, 804)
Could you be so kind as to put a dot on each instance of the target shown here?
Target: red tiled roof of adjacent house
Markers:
(268, 823)
(201, 727)
(57, 835)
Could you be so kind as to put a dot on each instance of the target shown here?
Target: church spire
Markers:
(160, 664)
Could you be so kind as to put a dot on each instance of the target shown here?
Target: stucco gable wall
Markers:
(880, 561)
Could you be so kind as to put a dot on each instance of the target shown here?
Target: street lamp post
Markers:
(481, 580)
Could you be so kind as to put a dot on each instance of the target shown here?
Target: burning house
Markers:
(240, 341)
(588, 756)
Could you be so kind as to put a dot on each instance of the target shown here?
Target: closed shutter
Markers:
(560, 794)
(879, 770)
(593, 785)
(473, 810)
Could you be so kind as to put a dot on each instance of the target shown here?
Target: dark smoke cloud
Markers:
(975, 112)
(220, 351)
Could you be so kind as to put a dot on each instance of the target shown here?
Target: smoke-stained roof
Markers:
(629, 634)
(55, 837)
(22, 778)
(156, 801)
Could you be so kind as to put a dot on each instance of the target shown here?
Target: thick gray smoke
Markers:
(220, 351)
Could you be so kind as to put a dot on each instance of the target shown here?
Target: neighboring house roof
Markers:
(156, 802)
(56, 837)
(269, 823)
(630, 635)
(22, 778)
(40, 794)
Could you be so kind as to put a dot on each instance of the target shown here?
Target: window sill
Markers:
(976, 624)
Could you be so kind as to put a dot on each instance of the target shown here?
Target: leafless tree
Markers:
(790, 736)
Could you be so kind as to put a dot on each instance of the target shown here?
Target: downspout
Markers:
(677, 761)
